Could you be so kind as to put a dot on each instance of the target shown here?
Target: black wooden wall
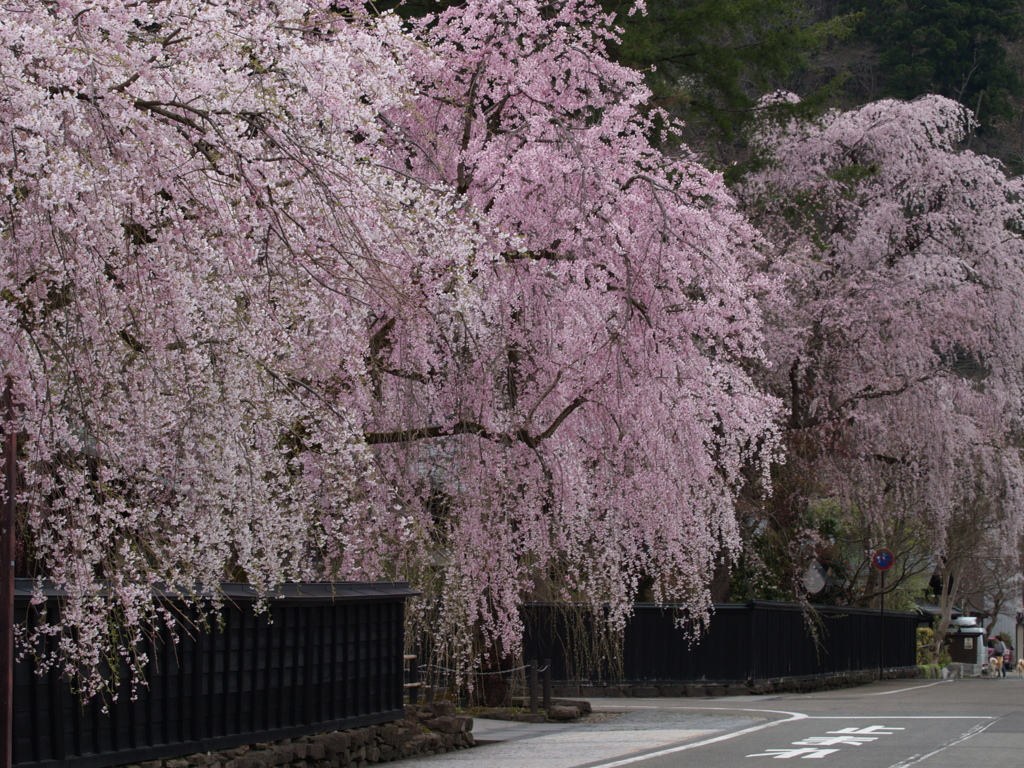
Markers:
(757, 640)
(323, 657)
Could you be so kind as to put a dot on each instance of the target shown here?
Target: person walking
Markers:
(999, 653)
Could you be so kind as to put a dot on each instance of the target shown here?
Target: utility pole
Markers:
(7, 583)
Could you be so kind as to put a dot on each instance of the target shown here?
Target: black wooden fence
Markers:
(325, 657)
(752, 641)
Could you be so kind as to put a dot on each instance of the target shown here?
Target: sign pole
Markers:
(881, 632)
(7, 583)
(883, 559)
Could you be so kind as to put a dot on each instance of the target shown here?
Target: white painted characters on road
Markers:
(811, 747)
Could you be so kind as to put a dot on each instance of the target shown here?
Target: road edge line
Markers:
(793, 717)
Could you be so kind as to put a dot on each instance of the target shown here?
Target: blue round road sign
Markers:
(883, 559)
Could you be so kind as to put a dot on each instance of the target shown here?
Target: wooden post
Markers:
(533, 687)
(7, 583)
(412, 677)
(547, 685)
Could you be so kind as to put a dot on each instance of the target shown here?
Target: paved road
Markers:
(976, 723)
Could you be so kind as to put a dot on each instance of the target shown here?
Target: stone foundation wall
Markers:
(430, 729)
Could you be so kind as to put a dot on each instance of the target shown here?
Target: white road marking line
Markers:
(633, 707)
(915, 759)
(911, 688)
(902, 717)
(793, 717)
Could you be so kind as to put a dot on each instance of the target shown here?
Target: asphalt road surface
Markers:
(974, 723)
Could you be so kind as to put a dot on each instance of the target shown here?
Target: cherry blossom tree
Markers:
(291, 292)
(196, 240)
(899, 351)
(591, 433)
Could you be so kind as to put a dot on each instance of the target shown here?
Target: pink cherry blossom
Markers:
(197, 238)
(290, 292)
(593, 426)
(899, 351)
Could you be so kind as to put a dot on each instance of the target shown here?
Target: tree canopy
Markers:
(329, 298)
(898, 352)
(953, 49)
(307, 290)
(709, 61)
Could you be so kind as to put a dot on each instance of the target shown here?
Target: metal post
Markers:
(881, 632)
(533, 687)
(7, 584)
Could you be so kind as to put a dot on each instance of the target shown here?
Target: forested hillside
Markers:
(708, 61)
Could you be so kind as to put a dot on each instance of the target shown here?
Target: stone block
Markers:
(442, 708)
(717, 690)
(364, 735)
(315, 751)
(223, 755)
(282, 754)
(202, 759)
(562, 712)
(583, 706)
(696, 691)
(738, 690)
(335, 743)
(528, 717)
(450, 724)
(675, 691)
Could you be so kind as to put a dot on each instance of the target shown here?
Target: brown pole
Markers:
(7, 584)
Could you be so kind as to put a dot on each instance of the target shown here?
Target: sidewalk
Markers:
(506, 744)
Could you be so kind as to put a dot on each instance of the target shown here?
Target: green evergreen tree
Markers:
(709, 61)
(954, 48)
